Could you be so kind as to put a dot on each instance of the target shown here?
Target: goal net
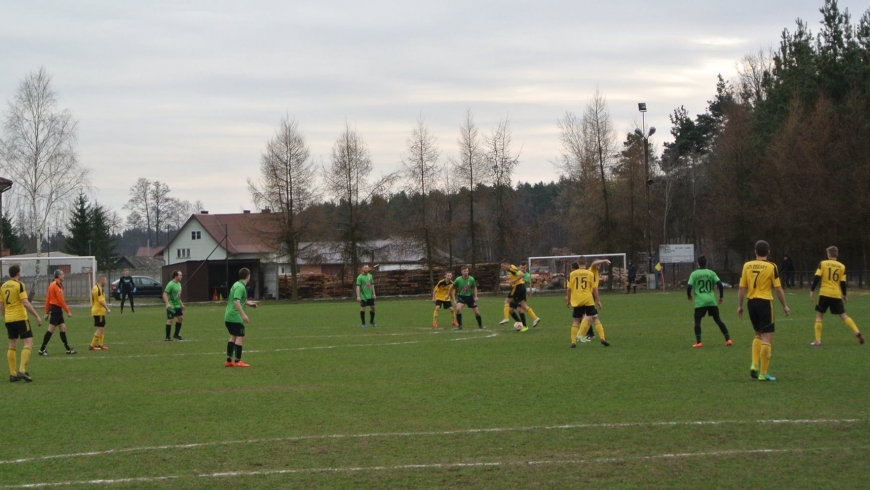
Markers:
(80, 274)
(549, 273)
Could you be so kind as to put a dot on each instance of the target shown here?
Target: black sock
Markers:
(723, 329)
(459, 319)
(362, 317)
(238, 352)
(479, 320)
(523, 318)
(46, 339)
(698, 333)
(372, 317)
(177, 328)
(230, 348)
(514, 316)
(168, 330)
(63, 339)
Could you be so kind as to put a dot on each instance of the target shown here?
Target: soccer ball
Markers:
(518, 326)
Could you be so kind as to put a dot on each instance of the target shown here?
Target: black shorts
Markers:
(174, 312)
(589, 311)
(19, 330)
(99, 320)
(704, 311)
(55, 315)
(835, 304)
(518, 295)
(467, 301)
(443, 304)
(761, 315)
(235, 329)
(366, 302)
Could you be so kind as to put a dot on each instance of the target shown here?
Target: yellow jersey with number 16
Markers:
(759, 278)
(832, 273)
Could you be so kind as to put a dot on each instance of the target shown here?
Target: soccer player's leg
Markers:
(714, 312)
(63, 338)
(435, 314)
(11, 355)
(372, 313)
(599, 329)
(123, 298)
(179, 319)
(170, 315)
(459, 306)
(506, 310)
(576, 317)
(477, 316)
(699, 314)
(453, 315)
(766, 348)
(838, 308)
(532, 315)
(362, 313)
(27, 338)
(584, 328)
(47, 337)
(817, 327)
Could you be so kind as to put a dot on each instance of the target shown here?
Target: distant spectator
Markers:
(632, 277)
(787, 271)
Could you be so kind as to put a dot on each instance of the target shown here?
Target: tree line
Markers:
(779, 153)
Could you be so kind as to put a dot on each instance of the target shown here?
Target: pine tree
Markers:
(80, 227)
(103, 244)
(11, 241)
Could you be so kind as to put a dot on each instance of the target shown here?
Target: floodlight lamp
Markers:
(641, 106)
(652, 130)
(638, 132)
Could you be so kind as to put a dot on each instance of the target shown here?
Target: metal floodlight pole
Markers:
(5, 185)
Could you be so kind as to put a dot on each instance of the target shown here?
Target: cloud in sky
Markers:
(188, 92)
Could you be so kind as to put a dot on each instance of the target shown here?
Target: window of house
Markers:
(195, 235)
(182, 253)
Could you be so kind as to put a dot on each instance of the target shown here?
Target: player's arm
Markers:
(781, 295)
(741, 294)
(689, 291)
(721, 287)
(104, 305)
(475, 293)
(599, 262)
(843, 290)
(63, 304)
(374, 294)
(357, 292)
(238, 306)
(816, 280)
(166, 300)
(568, 294)
(597, 298)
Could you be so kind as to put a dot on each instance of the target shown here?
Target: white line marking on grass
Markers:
(439, 466)
(433, 433)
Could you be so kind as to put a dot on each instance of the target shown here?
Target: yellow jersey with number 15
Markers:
(12, 293)
(759, 278)
(580, 284)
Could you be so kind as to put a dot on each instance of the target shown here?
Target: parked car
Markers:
(144, 286)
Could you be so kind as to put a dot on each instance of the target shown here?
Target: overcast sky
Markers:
(189, 92)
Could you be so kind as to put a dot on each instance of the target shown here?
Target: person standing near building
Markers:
(366, 296)
(758, 282)
(126, 290)
(55, 306)
(466, 295)
(174, 306)
(99, 310)
(235, 318)
(15, 307)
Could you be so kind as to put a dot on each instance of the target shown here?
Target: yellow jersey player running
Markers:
(757, 283)
(527, 279)
(15, 305)
(441, 296)
(99, 310)
(831, 274)
(582, 295)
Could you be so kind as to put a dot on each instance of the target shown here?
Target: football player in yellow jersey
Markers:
(15, 305)
(831, 274)
(99, 310)
(441, 296)
(759, 280)
(596, 273)
(517, 297)
(582, 295)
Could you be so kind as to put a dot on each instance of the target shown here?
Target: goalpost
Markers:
(80, 273)
(551, 272)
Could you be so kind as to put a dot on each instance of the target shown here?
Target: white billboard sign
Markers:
(677, 254)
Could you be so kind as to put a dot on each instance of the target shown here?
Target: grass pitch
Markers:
(328, 404)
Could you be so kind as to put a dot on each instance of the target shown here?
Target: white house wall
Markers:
(199, 249)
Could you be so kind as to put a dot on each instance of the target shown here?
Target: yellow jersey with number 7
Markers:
(759, 278)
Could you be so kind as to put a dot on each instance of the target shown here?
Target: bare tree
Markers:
(140, 207)
(601, 144)
(471, 169)
(502, 161)
(421, 171)
(287, 186)
(347, 181)
(755, 72)
(37, 151)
